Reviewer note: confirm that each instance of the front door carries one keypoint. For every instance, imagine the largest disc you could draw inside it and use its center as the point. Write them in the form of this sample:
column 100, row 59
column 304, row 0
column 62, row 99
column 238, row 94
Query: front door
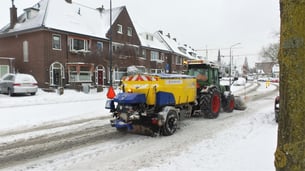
column 56, row 77
column 100, row 80
column 56, row 74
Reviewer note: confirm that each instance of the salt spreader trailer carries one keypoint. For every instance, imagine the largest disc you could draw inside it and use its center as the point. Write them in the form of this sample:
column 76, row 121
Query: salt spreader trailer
column 153, row 103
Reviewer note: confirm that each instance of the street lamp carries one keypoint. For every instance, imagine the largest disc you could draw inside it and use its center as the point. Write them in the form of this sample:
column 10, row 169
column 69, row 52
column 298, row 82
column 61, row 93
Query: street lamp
column 231, row 60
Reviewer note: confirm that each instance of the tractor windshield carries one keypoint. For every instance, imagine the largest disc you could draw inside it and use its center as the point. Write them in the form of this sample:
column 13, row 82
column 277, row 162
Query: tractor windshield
column 201, row 75
column 196, row 71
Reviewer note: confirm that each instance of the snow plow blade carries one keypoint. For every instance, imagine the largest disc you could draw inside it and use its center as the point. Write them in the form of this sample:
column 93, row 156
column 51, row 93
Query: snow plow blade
column 239, row 103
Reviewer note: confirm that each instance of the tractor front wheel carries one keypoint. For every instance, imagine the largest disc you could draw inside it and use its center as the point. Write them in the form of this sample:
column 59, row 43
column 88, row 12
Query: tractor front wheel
column 228, row 104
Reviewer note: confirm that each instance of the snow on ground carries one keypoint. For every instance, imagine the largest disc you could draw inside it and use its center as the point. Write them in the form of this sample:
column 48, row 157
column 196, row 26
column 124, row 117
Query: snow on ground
column 247, row 145
column 255, row 135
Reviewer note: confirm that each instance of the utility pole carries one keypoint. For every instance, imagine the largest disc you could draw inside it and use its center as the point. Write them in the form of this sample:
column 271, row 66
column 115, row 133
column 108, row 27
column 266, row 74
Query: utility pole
column 230, row 72
column 110, row 93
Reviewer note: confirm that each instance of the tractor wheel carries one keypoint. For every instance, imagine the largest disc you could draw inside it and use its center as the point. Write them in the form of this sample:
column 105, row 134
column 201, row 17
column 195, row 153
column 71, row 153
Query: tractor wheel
column 170, row 126
column 228, row 104
column 210, row 104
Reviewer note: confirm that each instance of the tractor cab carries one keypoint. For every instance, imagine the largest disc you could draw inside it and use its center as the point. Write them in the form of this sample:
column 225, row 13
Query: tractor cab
column 206, row 72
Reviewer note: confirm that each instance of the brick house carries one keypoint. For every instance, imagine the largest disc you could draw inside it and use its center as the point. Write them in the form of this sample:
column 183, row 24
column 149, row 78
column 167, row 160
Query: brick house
column 63, row 43
column 265, row 68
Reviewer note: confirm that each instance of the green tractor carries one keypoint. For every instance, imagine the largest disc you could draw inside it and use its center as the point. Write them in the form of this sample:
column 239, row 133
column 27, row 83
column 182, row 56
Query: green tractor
column 211, row 96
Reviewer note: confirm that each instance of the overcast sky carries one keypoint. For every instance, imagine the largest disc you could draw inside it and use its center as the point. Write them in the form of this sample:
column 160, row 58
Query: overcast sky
column 201, row 24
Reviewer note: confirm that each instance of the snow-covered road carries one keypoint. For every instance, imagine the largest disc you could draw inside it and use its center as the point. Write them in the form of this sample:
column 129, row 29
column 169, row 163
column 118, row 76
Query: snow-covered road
column 198, row 145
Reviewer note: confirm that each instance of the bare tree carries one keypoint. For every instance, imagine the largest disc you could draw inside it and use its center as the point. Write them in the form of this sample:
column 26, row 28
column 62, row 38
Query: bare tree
column 290, row 152
column 270, row 52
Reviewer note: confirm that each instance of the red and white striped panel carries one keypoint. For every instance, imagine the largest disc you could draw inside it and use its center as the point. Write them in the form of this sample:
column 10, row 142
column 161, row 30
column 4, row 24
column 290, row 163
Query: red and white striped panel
column 140, row 78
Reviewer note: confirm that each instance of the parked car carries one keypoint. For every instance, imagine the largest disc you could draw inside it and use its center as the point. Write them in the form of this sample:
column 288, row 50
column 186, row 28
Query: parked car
column 277, row 108
column 274, row 80
column 12, row 84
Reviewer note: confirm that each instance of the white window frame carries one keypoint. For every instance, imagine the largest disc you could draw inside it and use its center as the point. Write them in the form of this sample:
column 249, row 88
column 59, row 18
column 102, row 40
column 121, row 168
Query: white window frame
column 129, row 31
column 120, row 29
column 149, row 37
column 179, row 60
column 156, row 71
column 25, row 48
column 154, row 56
column 54, row 42
column 4, row 69
column 78, row 75
column 84, row 49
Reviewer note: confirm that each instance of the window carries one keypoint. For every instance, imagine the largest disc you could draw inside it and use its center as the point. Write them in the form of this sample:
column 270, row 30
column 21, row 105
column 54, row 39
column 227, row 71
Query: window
column 56, row 43
column 129, row 31
column 149, row 37
column 120, row 29
column 182, row 49
column 119, row 73
column 144, row 53
column 84, row 73
column 77, row 44
column 4, row 69
column 25, row 51
column 154, row 56
column 100, row 46
column 156, row 71
column 178, row 60
column 80, row 73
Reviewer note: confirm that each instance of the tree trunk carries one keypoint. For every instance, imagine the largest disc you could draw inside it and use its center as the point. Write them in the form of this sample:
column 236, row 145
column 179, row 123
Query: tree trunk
column 290, row 153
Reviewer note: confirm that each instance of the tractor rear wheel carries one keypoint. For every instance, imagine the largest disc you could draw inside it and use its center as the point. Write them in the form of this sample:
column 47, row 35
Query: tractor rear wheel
column 210, row 104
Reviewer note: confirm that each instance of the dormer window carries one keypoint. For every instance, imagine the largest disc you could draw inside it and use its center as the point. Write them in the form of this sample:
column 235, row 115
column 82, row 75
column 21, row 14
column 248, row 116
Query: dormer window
column 31, row 12
column 182, row 49
column 149, row 37
column 120, row 29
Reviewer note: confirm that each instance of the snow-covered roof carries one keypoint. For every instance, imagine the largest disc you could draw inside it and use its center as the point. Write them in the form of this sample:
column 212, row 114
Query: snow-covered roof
column 70, row 17
column 176, row 47
column 151, row 41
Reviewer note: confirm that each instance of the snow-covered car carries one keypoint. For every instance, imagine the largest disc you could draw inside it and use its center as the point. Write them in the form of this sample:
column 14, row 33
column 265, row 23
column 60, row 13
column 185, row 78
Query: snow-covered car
column 12, row 84
column 262, row 79
column 250, row 78
column 277, row 107
column 240, row 82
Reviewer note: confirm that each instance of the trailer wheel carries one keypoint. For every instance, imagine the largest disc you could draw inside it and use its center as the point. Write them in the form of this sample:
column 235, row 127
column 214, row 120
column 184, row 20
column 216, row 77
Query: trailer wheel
column 210, row 104
column 170, row 125
column 228, row 104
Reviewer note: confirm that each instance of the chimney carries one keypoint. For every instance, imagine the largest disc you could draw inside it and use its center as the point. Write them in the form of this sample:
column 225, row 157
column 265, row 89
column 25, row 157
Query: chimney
column 101, row 9
column 175, row 39
column 161, row 32
column 69, row 1
column 13, row 15
column 168, row 35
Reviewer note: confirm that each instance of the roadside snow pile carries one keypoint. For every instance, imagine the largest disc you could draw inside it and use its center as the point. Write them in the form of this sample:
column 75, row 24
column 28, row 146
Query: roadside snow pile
column 48, row 98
